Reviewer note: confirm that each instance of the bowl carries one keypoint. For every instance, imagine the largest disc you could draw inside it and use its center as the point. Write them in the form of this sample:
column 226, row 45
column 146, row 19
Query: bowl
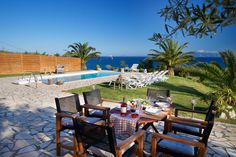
column 134, row 115
column 132, row 110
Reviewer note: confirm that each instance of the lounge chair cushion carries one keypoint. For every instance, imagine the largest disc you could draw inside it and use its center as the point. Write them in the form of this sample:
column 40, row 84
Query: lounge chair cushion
column 176, row 149
column 186, row 129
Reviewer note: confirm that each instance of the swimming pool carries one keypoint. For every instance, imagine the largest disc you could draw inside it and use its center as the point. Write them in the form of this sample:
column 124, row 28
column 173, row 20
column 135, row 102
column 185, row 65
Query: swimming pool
column 78, row 76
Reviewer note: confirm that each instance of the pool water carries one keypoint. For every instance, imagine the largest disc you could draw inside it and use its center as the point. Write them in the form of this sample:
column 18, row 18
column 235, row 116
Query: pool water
column 81, row 77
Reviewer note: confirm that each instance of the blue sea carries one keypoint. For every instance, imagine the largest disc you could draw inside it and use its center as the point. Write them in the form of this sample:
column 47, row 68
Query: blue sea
column 115, row 61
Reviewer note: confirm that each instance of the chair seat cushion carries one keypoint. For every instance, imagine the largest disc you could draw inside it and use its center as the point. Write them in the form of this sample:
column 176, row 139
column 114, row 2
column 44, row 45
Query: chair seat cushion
column 67, row 123
column 96, row 113
column 101, row 151
column 186, row 129
column 175, row 148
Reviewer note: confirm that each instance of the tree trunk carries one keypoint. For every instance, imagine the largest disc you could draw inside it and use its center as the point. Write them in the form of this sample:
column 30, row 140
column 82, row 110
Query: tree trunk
column 83, row 65
column 171, row 71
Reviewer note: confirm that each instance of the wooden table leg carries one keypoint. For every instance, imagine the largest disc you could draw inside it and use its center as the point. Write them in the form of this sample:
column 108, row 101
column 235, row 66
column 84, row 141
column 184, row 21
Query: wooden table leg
column 146, row 126
column 154, row 128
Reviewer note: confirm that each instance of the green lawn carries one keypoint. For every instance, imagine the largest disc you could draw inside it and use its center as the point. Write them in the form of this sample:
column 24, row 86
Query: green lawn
column 182, row 91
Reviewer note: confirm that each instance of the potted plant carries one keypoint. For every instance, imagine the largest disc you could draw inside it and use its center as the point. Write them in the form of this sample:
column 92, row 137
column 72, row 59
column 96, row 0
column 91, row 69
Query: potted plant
column 50, row 81
column 98, row 67
column 60, row 82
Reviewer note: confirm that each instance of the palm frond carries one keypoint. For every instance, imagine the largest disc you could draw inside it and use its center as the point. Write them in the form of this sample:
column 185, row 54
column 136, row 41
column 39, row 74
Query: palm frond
column 171, row 54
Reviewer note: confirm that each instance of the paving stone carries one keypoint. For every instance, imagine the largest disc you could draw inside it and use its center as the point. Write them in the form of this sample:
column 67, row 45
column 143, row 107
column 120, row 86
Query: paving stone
column 7, row 154
column 45, row 155
column 23, row 136
column 232, row 138
column 47, row 129
column 7, row 132
column 10, row 146
column 6, row 141
column 4, row 149
column 231, row 152
column 217, row 155
column 33, row 132
column 26, row 149
column 220, row 151
column 52, row 146
column 219, row 134
column 29, row 154
column 221, row 144
column 233, row 143
column 67, row 155
column 45, row 144
column 21, row 144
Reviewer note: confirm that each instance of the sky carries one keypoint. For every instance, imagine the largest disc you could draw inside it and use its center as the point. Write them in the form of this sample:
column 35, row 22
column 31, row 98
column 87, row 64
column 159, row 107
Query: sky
column 113, row 27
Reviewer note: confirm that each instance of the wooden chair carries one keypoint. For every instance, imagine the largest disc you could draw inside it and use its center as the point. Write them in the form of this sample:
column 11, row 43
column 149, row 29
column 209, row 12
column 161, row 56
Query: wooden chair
column 93, row 98
column 67, row 108
column 60, row 68
column 157, row 94
column 180, row 145
column 187, row 125
column 101, row 140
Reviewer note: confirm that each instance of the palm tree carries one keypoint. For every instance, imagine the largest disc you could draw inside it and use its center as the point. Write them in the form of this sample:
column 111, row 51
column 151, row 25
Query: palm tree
column 224, row 79
column 171, row 55
column 83, row 51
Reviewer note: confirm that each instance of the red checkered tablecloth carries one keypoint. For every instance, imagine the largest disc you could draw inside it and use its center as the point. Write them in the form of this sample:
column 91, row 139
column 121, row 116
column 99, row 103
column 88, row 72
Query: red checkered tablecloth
column 123, row 125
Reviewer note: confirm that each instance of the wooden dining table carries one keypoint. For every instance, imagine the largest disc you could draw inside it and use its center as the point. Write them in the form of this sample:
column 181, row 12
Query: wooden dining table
column 144, row 119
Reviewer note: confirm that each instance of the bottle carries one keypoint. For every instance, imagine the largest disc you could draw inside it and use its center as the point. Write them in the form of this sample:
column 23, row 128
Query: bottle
column 123, row 109
column 193, row 102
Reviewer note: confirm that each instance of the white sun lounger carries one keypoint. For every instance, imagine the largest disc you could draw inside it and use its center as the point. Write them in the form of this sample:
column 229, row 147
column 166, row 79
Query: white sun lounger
column 134, row 67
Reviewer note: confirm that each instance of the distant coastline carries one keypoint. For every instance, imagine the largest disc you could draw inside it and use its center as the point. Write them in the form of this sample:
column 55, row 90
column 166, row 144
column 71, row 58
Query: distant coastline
column 115, row 60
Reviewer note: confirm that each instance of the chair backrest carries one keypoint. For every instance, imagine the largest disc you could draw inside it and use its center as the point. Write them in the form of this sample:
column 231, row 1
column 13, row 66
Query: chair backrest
column 159, row 73
column 92, row 97
column 154, row 93
column 209, row 114
column 68, row 104
column 60, row 66
column 207, row 130
column 99, row 136
column 162, row 74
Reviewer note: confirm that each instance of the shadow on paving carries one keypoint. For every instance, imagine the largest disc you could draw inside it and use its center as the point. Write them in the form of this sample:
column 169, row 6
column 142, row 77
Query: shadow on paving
column 27, row 133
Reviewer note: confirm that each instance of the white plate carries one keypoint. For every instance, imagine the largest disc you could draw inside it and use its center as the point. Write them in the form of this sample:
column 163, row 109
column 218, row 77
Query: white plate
column 152, row 110
column 162, row 104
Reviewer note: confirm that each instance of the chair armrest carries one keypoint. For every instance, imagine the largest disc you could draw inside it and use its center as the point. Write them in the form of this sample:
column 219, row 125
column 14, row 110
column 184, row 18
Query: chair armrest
column 105, row 110
column 128, row 141
column 188, row 110
column 87, row 106
column 65, row 115
column 172, row 118
column 179, row 140
column 157, row 136
column 201, row 125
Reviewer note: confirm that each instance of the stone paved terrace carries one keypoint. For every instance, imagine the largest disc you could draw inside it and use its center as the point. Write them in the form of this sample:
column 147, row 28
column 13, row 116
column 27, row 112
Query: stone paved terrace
column 27, row 123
